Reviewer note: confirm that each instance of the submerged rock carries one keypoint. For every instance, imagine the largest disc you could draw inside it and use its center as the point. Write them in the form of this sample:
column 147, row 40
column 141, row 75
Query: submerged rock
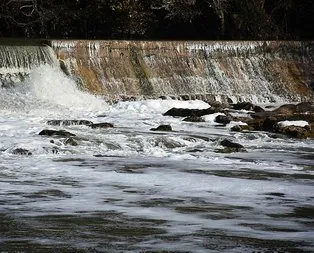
column 70, row 141
column 60, row 133
column 21, row 151
column 68, row 122
column 194, row 119
column 165, row 128
column 101, row 125
column 223, row 119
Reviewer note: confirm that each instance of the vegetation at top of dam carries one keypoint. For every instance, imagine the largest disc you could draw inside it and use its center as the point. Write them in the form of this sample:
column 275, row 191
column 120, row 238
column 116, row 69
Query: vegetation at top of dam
column 158, row 19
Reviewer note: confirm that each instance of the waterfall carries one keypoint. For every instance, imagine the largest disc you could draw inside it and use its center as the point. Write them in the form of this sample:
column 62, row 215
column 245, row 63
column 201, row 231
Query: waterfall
column 256, row 71
column 19, row 59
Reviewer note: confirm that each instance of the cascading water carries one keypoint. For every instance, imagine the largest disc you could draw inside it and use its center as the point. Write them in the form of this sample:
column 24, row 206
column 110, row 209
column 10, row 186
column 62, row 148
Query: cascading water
column 17, row 61
column 240, row 71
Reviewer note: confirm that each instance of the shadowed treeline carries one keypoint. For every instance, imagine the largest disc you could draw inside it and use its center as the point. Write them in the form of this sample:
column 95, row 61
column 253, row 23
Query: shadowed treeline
column 158, row 19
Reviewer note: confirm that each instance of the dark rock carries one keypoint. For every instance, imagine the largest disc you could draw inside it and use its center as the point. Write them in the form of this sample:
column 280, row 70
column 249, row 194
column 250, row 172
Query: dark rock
column 21, row 151
column 217, row 104
column 60, row 133
column 183, row 112
column 236, row 128
column 101, row 116
column 223, row 119
column 270, row 124
column 166, row 128
column 295, row 131
column 286, row 109
column 256, row 124
column 68, row 122
column 305, row 107
column 230, row 144
column 101, row 125
column 70, row 141
column 194, row 119
column 163, row 97
column 290, row 109
column 247, row 106
column 185, row 97
column 258, row 109
column 231, row 147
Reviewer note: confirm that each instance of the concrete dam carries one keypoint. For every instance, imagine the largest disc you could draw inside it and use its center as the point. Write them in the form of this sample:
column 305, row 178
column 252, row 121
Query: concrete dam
column 233, row 71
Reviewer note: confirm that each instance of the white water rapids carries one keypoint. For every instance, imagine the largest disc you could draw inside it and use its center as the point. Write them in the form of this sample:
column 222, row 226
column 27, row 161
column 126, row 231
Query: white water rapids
column 131, row 189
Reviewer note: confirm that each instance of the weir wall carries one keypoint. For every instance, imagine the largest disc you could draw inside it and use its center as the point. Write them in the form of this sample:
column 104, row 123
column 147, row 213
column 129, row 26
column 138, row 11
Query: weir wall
column 256, row 71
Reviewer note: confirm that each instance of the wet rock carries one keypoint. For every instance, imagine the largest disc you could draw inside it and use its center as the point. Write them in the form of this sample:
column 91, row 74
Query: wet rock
column 236, row 128
column 165, row 128
column 301, row 111
column 194, row 119
column 60, row 133
column 21, row 151
column 163, row 97
column 51, row 150
column 184, row 112
column 240, row 128
column 295, row 131
column 70, row 141
column 268, row 120
column 223, row 119
column 68, row 122
column 270, row 124
column 217, row 104
column 248, row 107
column 230, row 147
column 168, row 143
column 101, row 125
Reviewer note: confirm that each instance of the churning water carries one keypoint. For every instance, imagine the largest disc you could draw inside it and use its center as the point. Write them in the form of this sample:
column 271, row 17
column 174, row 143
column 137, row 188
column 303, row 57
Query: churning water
column 128, row 189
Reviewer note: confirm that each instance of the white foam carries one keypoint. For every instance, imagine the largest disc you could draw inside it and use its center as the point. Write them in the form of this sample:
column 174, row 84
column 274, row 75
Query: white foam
column 210, row 118
column 51, row 85
column 300, row 123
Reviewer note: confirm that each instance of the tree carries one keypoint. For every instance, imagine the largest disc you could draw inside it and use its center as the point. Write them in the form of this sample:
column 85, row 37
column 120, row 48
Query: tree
column 26, row 14
column 190, row 11
column 132, row 19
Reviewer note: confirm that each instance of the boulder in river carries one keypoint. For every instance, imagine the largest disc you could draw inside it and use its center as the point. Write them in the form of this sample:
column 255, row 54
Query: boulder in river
column 60, row 133
column 301, row 111
column 184, row 112
column 230, row 147
column 164, row 128
column 295, row 131
column 223, row 119
column 101, row 125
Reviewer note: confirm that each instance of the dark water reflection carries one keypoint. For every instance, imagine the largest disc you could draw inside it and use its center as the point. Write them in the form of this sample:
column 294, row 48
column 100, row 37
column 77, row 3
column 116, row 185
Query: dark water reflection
column 176, row 222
